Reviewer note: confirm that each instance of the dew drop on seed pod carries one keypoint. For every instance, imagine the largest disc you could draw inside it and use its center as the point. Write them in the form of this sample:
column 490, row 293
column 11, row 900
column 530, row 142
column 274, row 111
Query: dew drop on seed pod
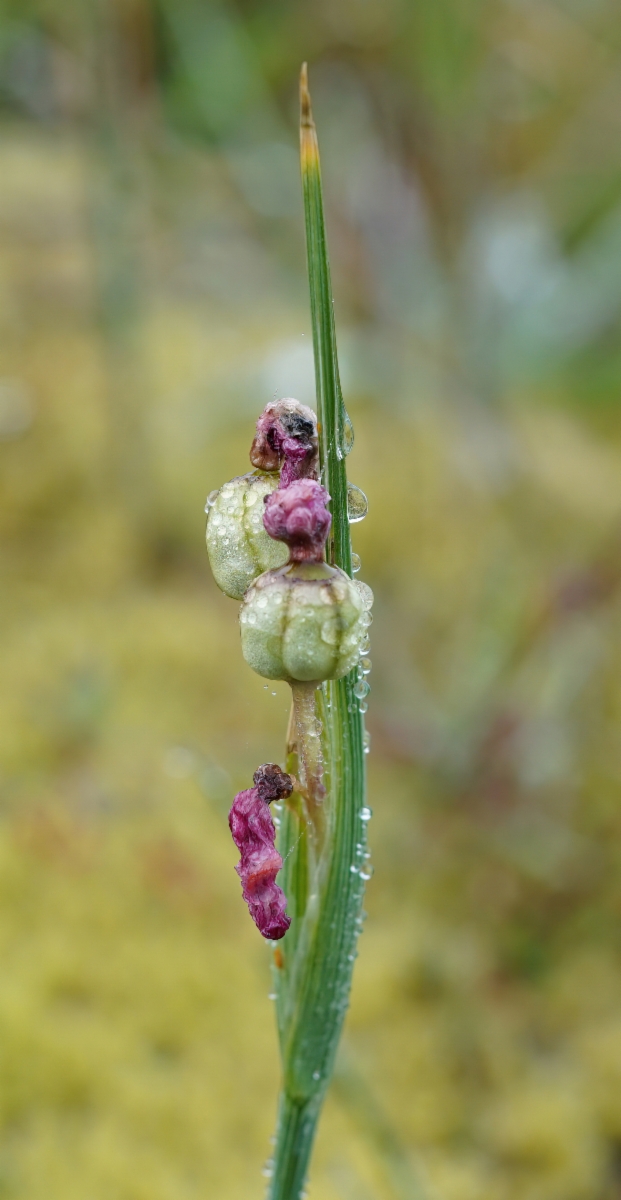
column 361, row 689
column 357, row 504
column 363, row 707
column 354, row 869
column 366, row 871
column 211, row 499
column 365, row 593
column 366, row 619
column 355, row 563
column 366, row 814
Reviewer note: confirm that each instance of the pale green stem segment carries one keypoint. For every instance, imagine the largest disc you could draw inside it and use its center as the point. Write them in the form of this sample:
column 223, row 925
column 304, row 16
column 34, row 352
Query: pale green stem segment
column 324, row 888
column 308, row 729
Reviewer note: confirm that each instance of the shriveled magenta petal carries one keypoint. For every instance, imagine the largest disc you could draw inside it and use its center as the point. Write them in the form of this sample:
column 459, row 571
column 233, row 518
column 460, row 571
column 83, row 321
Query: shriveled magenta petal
column 254, row 835
column 286, row 438
column 298, row 516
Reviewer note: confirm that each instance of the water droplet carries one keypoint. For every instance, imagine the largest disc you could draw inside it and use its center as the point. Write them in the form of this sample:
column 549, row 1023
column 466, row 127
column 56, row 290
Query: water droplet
column 366, row 871
column 366, row 814
column 363, row 707
column 268, row 1169
column 316, row 1075
column 361, row 689
column 366, row 741
column 252, row 618
column 357, row 504
column 347, row 434
column 366, row 619
column 365, row 593
column 273, row 693
column 365, row 666
column 329, row 633
column 365, row 643
column 272, row 996
column 354, row 869
column 355, row 563
column 211, row 499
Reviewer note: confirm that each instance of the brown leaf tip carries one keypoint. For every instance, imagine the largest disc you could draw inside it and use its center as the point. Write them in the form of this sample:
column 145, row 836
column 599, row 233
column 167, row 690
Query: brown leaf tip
column 306, row 112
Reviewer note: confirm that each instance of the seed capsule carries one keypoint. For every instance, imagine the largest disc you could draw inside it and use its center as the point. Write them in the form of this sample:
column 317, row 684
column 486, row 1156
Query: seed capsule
column 238, row 546
column 302, row 623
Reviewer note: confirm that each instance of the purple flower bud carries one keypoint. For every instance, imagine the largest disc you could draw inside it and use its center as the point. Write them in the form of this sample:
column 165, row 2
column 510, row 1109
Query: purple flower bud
column 254, row 835
column 298, row 516
column 286, row 440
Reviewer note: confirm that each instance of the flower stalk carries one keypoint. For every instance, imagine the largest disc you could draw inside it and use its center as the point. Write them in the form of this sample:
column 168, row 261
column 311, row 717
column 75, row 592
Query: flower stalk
column 322, row 881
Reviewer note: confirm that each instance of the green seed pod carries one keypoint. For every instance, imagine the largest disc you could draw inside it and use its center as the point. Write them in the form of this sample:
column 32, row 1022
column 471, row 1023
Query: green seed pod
column 239, row 548
column 303, row 622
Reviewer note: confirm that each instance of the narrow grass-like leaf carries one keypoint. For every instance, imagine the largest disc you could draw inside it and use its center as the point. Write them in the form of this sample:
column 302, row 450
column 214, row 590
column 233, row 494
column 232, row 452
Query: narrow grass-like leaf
column 325, row 885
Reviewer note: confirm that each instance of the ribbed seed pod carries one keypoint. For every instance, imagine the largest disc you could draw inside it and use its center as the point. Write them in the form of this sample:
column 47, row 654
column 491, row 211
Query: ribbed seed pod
column 302, row 623
column 238, row 546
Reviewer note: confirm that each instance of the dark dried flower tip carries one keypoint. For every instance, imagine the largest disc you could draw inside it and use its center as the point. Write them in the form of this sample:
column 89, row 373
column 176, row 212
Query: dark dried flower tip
column 298, row 516
column 254, row 835
column 272, row 783
column 286, row 440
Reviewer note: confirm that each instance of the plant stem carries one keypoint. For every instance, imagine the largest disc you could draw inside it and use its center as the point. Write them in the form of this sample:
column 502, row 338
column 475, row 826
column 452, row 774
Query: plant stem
column 313, row 977
column 297, row 1121
column 309, row 751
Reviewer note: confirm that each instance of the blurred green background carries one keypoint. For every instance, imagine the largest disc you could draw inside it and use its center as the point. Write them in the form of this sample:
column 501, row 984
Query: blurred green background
column 152, row 300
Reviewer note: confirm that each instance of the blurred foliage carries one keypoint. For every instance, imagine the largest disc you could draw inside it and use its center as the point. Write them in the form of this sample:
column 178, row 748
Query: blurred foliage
column 152, row 299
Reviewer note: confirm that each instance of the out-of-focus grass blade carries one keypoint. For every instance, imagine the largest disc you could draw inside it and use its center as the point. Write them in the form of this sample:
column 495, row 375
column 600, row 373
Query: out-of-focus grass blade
column 319, row 949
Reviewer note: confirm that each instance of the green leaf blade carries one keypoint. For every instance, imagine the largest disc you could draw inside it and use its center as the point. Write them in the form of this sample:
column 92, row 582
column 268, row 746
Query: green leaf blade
column 314, row 988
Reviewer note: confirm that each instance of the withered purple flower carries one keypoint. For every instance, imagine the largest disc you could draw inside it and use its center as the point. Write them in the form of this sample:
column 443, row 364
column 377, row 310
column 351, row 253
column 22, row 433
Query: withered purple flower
column 286, row 440
column 298, row 516
column 254, row 835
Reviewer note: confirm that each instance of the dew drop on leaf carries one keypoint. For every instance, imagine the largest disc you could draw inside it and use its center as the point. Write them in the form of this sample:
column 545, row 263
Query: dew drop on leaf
column 346, row 440
column 357, row 504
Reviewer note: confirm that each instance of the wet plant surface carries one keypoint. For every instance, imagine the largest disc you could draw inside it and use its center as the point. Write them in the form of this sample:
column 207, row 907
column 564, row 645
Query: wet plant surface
column 483, row 1046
